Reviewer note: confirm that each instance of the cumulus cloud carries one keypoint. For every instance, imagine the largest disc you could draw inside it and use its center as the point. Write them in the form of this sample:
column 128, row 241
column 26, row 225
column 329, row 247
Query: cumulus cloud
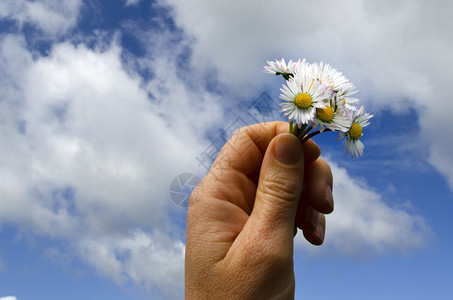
column 154, row 262
column 8, row 298
column 53, row 17
column 397, row 53
column 88, row 155
column 364, row 224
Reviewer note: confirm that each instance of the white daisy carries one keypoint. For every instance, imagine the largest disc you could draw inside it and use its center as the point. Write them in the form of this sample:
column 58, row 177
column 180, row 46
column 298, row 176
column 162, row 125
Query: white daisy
column 303, row 95
column 353, row 145
column 345, row 92
column 279, row 67
column 340, row 85
column 327, row 74
column 334, row 116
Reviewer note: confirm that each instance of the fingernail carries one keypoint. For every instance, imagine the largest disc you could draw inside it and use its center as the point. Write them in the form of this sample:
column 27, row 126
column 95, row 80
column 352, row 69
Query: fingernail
column 329, row 196
column 287, row 149
column 320, row 233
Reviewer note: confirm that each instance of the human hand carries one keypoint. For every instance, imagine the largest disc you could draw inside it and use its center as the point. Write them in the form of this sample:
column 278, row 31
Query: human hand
column 263, row 184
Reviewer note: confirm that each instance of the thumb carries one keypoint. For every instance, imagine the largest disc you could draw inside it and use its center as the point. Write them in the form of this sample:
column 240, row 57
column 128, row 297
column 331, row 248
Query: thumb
column 279, row 186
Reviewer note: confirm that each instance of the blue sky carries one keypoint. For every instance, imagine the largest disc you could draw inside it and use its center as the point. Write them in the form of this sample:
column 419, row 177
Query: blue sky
column 104, row 103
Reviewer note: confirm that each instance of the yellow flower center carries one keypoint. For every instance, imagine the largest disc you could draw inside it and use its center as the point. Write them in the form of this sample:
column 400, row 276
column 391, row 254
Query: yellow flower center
column 325, row 114
column 303, row 100
column 355, row 132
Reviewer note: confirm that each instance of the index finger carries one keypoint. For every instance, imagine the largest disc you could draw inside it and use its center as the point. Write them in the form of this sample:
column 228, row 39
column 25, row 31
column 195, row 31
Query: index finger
column 245, row 150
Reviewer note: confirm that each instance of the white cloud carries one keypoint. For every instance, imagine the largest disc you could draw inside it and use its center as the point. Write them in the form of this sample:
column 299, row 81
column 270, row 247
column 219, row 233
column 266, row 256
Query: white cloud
column 154, row 262
column 87, row 156
column 83, row 130
column 397, row 53
column 53, row 17
column 8, row 298
column 364, row 224
column 437, row 130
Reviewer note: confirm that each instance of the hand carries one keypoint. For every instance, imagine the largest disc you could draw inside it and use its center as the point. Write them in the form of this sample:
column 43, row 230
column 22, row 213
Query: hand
column 240, row 229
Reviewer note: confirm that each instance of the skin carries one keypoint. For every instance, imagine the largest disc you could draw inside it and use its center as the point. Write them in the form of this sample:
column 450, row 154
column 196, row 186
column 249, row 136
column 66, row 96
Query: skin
column 243, row 216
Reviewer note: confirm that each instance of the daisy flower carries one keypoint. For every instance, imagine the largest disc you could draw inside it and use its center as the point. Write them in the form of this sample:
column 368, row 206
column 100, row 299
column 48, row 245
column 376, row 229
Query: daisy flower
column 345, row 92
column 303, row 95
column 327, row 74
column 334, row 116
column 319, row 96
column 279, row 67
column 353, row 145
column 340, row 85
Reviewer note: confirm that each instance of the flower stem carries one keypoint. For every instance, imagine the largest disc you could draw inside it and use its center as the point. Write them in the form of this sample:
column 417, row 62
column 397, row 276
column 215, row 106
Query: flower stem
column 313, row 134
column 305, row 131
column 287, row 76
column 298, row 131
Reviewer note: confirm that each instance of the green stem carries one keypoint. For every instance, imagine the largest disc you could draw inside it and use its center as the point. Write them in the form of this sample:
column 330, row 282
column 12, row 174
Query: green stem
column 305, row 130
column 287, row 76
column 296, row 130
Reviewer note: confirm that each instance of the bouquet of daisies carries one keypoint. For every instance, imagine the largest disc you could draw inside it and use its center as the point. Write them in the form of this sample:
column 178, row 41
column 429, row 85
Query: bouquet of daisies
column 318, row 98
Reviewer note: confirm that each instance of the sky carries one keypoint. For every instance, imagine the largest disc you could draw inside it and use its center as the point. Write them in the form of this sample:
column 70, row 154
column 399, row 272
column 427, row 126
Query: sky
column 106, row 106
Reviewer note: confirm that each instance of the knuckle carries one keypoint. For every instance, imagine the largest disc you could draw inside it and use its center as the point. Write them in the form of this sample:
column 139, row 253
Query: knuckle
column 281, row 187
column 261, row 253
